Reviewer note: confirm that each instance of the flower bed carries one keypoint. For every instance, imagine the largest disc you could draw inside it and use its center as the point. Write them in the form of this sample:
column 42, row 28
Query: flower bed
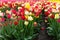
column 21, row 21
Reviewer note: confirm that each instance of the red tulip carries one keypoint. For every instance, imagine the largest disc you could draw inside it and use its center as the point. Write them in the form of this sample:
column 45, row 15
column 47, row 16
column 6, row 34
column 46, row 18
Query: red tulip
column 52, row 16
column 0, row 5
column 3, row 19
column 23, row 17
column 22, row 13
column 36, row 6
column 10, row 5
column 48, row 3
column 21, row 9
column 54, row 4
column 8, row 16
column 42, row 28
column 37, row 14
column 50, row 9
column 47, row 13
column 16, row 23
column 14, row 11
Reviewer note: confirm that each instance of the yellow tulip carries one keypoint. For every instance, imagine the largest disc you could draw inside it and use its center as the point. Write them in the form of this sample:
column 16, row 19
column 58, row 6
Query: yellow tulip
column 27, row 5
column 26, row 16
column 54, row 7
column 56, row 16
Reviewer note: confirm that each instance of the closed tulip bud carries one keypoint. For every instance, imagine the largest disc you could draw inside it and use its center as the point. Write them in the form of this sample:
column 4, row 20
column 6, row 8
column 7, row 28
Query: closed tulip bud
column 16, row 23
column 35, row 23
column 26, row 23
column 42, row 28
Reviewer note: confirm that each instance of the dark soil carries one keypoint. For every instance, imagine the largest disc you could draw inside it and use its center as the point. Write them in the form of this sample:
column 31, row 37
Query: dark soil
column 43, row 36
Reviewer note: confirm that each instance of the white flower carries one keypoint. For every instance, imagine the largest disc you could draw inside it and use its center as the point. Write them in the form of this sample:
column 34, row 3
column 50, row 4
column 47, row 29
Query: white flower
column 30, row 13
column 1, row 14
column 57, row 6
column 26, row 23
column 55, row 10
column 26, row 13
column 8, row 12
column 30, row 18
column 19, row 7
column 22, row 4
column 46, row 9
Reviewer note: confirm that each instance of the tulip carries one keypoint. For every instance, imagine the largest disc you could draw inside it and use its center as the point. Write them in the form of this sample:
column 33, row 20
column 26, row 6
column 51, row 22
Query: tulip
column 13, row 15
column 42, row 28
column 8, row 16
column 27, row 5
column 8, row 12
column 26, row 16
column 51, row 16
column 35, row 24
column 26, row 23
column 54, row 7
column 19, row 8
column 56, row 16
column 26, row 13
column 1, row 14
column 14, row 11
column 30, row 13
column 58, row 20
column 3, row 19
column 10, row 5
column 37, row 14
column 47, row 13
column 30, row 18
column 1, row 5
column 15, row 22
column 23, row 17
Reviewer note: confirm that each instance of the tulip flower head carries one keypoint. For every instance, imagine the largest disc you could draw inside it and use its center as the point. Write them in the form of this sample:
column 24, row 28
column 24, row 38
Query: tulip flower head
column 30, row 18
column 26, row 23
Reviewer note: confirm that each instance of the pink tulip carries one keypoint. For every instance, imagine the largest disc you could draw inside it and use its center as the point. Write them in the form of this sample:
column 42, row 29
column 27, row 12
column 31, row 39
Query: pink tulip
column 58, row 20
column 3, row 19
column 14, row 11
column 9, row 16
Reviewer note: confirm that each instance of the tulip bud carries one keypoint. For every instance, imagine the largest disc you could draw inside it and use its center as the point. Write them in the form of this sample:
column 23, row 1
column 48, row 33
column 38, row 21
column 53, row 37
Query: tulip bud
column 42, row 28
column 16, row 23
column 56, row 16
column 35, row 23
column 26, row 23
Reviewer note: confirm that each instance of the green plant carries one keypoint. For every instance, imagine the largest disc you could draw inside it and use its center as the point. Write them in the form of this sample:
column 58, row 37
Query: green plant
column 54, row 29
column 18, row 32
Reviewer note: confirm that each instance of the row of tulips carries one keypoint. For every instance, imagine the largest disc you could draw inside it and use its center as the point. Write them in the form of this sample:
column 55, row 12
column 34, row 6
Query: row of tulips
column 20, row 21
